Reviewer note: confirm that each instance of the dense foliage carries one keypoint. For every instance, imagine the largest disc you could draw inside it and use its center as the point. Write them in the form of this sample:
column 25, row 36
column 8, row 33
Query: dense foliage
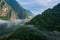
column 6, row 29
column 45, row 26
column 29, row 32
column 26, row 33
column 49, row 19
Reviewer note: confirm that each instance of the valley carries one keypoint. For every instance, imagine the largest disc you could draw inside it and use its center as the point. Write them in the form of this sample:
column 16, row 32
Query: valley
column 18, row 23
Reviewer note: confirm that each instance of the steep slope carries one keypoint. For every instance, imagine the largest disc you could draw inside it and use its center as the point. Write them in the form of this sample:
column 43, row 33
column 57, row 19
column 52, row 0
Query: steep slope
column 26, row 33
column 49, row 19
column 11, row 9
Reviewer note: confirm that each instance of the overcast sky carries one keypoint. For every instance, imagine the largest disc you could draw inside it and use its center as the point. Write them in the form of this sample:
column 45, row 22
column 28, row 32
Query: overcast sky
column 38, row 6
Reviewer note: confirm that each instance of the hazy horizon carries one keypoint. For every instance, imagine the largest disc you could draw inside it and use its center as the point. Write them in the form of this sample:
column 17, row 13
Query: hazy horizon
column 38, row 6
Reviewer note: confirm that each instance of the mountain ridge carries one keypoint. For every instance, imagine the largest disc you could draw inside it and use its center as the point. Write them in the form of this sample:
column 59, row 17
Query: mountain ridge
column 49, row 19
column 14, row 8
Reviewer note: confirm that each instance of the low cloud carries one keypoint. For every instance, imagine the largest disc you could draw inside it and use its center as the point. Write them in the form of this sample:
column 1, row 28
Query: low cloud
column 3, row 21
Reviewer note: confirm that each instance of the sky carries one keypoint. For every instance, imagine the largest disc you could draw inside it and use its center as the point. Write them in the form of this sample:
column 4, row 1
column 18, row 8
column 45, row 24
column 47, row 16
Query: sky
column 38, row 6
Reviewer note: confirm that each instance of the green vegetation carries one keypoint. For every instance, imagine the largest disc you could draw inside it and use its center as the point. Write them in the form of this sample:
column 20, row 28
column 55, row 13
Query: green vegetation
column 48, row 20
column 45, row 26
column 3, row 18
column 26, row 33
column 5, row 29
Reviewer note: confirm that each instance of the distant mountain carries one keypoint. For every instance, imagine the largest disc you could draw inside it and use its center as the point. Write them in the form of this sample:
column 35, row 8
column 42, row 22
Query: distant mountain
column 11, row 9
column 49, row 19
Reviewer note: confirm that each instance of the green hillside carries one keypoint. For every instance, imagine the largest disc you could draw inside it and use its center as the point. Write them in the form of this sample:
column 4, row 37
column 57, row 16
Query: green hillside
column 26, row 33
column 49, row 19
column 45, row 26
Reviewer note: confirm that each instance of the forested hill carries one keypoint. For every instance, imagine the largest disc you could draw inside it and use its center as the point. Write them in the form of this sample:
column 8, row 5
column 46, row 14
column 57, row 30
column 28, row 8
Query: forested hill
column 50, row 18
